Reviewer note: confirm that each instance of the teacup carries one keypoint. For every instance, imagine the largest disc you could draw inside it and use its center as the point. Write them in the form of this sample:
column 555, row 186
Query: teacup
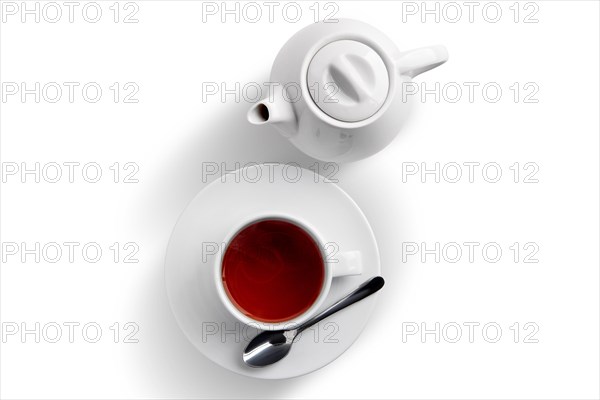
column 274, row 271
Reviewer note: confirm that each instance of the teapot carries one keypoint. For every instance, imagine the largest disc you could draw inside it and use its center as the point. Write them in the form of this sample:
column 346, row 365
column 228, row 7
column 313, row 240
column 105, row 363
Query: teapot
column 337, row 89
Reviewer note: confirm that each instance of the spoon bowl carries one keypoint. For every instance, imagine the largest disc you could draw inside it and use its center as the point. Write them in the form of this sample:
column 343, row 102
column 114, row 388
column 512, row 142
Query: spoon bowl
column 268, row 347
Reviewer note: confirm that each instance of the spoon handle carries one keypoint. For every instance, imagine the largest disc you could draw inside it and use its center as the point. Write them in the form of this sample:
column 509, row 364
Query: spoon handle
column 365, row 290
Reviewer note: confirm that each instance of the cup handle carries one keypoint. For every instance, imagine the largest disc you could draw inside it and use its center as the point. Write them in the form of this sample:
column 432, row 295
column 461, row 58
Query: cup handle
column 417, row 61
column 347, row 263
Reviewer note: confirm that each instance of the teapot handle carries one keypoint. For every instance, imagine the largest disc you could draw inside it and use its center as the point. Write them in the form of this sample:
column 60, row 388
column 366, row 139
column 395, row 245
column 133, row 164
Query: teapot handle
column 417, row 61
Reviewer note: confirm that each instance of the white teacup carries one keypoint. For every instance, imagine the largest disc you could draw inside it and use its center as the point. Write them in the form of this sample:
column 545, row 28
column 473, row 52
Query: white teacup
column 335, row 264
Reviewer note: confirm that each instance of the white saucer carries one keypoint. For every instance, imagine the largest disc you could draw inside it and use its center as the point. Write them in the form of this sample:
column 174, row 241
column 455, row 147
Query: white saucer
column 213, row 212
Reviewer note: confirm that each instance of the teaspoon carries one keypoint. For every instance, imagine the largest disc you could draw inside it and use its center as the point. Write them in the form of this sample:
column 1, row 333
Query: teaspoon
column 268, row 347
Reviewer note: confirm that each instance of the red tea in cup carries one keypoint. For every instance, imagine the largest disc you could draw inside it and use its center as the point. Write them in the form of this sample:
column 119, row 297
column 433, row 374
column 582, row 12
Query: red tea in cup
column 273, row 270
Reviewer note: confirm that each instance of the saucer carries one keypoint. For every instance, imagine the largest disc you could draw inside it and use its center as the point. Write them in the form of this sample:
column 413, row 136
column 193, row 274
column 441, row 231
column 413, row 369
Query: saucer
column 190, row 264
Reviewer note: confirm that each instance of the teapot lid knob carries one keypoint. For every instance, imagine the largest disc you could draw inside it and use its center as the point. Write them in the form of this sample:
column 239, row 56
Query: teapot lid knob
column 348, row 80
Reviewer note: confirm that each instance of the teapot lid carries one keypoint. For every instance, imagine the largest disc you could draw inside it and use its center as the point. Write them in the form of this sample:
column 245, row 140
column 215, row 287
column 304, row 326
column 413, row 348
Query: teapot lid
column 348, row 80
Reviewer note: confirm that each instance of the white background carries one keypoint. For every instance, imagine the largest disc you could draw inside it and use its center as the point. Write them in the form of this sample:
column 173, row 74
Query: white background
column 171, row 132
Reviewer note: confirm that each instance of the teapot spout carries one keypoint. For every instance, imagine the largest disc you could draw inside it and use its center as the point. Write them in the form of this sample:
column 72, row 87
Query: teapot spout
column 272, row 110
column 417, row 61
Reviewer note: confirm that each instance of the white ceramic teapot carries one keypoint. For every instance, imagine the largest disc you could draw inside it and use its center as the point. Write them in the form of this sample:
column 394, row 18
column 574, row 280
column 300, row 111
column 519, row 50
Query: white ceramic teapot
column 339, row 92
